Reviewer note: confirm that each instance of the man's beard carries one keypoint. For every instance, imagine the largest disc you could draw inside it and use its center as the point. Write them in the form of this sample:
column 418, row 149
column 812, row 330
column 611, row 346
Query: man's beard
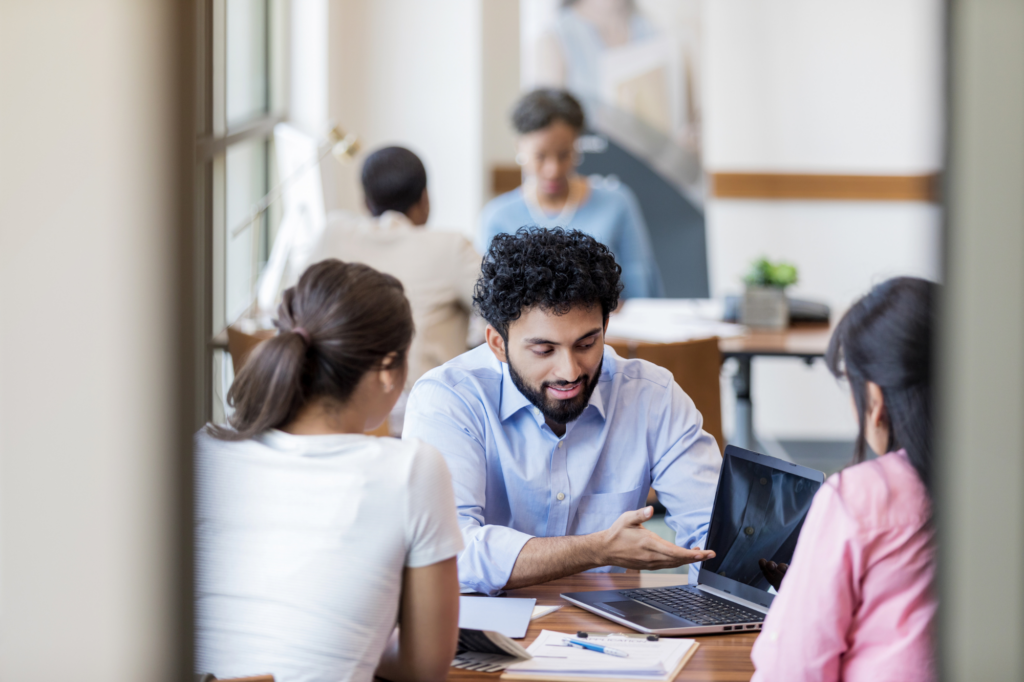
column 554, row 409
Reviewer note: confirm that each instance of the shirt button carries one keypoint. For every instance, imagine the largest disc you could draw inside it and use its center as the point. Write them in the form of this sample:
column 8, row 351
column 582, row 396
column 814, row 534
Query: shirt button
column 560, row 496
column 559, row 443
column 536, row 412
column 764, row 481
column 749, row 530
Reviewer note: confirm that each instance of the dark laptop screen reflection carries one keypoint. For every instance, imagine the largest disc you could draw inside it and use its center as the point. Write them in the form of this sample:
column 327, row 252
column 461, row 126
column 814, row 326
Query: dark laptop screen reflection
column 758, row 515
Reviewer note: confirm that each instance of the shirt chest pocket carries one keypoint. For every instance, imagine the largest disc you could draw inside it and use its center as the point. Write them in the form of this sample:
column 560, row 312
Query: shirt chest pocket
column 599, row 511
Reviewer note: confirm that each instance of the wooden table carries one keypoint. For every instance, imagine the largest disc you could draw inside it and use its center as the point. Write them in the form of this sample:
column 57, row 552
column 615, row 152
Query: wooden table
column 805, row 341
column 721, row 658
column 801, row 340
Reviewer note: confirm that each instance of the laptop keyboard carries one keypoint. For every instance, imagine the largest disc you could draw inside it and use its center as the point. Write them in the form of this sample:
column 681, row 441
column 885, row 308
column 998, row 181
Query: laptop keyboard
column 692, row 604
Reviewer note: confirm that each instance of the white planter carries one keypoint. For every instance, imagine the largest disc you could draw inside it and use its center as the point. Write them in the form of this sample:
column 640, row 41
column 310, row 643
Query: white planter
column 765, row 307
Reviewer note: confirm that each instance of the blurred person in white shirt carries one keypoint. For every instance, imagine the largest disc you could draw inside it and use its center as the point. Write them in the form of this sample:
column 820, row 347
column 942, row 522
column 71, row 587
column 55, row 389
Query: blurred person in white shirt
column 437, row 268
column 314, row 540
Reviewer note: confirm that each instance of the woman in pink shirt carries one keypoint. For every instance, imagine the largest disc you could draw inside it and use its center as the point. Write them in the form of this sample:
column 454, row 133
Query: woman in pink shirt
column 858, row 603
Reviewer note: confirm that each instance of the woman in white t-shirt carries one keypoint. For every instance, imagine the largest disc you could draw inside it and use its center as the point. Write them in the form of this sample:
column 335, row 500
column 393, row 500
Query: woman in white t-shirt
column 314, row 540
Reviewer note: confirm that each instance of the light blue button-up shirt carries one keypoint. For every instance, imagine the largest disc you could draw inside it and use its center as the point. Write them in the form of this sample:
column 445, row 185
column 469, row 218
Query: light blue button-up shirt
column 514, row 479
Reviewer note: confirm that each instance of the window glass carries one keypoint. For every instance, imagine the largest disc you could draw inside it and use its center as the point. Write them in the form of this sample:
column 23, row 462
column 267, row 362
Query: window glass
column 246, row 179
column 247, row 60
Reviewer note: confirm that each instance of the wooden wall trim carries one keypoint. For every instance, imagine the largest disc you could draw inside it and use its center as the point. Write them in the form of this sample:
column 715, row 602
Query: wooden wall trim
column 807, row 186
column 821, row 186
column 505, row 178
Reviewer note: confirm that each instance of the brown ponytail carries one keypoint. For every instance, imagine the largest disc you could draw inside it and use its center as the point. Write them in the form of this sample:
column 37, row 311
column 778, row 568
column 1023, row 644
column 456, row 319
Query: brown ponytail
column 340, row 321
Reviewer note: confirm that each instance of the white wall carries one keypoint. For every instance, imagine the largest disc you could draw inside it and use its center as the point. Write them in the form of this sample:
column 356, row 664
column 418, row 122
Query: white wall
column 308, row 53
column 408, row 72
column 845, row 86
column 821, row 87
column 500, row 29
column 89, row 351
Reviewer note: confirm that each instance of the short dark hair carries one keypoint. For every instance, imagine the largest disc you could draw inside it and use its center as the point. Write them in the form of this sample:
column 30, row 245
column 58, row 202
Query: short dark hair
column 538, row 109
column 886, row 338
column 393, row 180
column 339, row 322
column 555, row 269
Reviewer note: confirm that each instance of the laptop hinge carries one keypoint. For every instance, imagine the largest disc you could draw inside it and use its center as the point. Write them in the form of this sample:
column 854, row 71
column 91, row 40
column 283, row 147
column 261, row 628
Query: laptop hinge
column 733, row 598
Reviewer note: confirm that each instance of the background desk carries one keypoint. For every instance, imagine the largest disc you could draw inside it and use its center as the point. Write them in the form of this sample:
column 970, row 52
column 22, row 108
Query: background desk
column 804, row 341
column 720, row 658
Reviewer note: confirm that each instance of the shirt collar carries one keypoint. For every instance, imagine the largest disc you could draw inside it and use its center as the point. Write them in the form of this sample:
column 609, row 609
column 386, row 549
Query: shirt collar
column 391, row 220
column 597, row 397
column 513, row 400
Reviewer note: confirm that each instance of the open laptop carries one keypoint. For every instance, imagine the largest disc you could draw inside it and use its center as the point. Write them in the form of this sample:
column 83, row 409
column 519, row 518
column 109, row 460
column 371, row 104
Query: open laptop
column 759, row 509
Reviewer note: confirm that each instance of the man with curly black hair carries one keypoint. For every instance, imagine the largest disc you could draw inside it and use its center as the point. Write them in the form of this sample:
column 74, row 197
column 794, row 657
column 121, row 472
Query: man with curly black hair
column 552, row 439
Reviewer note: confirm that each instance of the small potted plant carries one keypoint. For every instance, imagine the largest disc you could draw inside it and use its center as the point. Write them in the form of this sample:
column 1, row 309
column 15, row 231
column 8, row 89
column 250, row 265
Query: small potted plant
column 764, row 300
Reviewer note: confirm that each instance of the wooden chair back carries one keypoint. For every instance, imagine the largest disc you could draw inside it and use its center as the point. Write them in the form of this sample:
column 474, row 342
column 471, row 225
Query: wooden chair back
column 241, row 344
column 695, row 365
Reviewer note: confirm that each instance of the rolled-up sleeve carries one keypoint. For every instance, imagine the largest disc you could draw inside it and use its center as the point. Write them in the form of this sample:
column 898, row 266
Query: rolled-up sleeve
column 437, row 414
column 685, row 469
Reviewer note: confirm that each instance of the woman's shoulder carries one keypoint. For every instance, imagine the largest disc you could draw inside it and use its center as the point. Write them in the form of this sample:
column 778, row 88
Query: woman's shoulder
column 342, row 449
column 409, row 454
column 879, row 493
column 608, row 192
column 505, row 204
column 206, row 441
column 421, row 455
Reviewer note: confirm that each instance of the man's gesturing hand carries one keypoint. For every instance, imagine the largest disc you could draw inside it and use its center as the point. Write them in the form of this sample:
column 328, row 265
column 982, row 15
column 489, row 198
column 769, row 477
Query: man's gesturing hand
column 629, row 545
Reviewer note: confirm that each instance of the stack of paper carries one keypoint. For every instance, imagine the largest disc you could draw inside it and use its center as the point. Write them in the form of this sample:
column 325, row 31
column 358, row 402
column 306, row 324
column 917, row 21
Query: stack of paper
column 670, row 320
column 552, row 660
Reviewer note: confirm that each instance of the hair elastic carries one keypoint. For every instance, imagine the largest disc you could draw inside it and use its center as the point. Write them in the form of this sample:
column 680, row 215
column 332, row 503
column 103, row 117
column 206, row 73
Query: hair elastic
column 301, row 331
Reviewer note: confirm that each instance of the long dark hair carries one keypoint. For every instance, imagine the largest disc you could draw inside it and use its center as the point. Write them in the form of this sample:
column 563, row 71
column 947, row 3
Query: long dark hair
column 886, row 338
column 340, row 321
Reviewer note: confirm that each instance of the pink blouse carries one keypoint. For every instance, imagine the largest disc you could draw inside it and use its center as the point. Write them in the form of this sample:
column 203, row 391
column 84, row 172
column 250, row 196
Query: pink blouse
column 857, row 601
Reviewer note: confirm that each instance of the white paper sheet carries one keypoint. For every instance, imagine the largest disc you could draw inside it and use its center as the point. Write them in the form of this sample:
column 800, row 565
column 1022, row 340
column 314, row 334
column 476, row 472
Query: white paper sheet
column 510, row 617
column 541, row 611
column 650, row 660
column 670, row 320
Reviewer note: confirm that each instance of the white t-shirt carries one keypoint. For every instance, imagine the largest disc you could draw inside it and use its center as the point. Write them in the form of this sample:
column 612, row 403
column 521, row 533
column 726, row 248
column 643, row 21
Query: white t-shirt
column 301, row 542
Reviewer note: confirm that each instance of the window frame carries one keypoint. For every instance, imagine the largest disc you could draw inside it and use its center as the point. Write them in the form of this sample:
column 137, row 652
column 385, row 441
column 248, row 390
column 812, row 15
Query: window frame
column 213, row 138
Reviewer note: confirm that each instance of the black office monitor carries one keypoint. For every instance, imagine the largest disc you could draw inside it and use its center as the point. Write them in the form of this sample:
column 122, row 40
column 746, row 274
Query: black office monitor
column 758, row 512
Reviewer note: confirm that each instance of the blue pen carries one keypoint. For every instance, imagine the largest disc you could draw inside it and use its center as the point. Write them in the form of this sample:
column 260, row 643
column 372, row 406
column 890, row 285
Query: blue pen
column 595, row 647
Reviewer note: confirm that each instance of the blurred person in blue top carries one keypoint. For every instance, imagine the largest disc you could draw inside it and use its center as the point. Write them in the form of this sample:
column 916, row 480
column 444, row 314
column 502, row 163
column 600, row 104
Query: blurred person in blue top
column 554, row 195
column 553, row 441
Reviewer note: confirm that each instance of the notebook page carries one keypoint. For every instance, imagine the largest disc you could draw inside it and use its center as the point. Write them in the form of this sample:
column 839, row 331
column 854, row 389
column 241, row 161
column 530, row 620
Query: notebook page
column 653, row 660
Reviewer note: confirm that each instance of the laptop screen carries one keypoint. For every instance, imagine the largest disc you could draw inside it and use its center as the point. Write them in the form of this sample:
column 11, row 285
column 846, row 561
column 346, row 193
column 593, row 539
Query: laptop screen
column 759, row 509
